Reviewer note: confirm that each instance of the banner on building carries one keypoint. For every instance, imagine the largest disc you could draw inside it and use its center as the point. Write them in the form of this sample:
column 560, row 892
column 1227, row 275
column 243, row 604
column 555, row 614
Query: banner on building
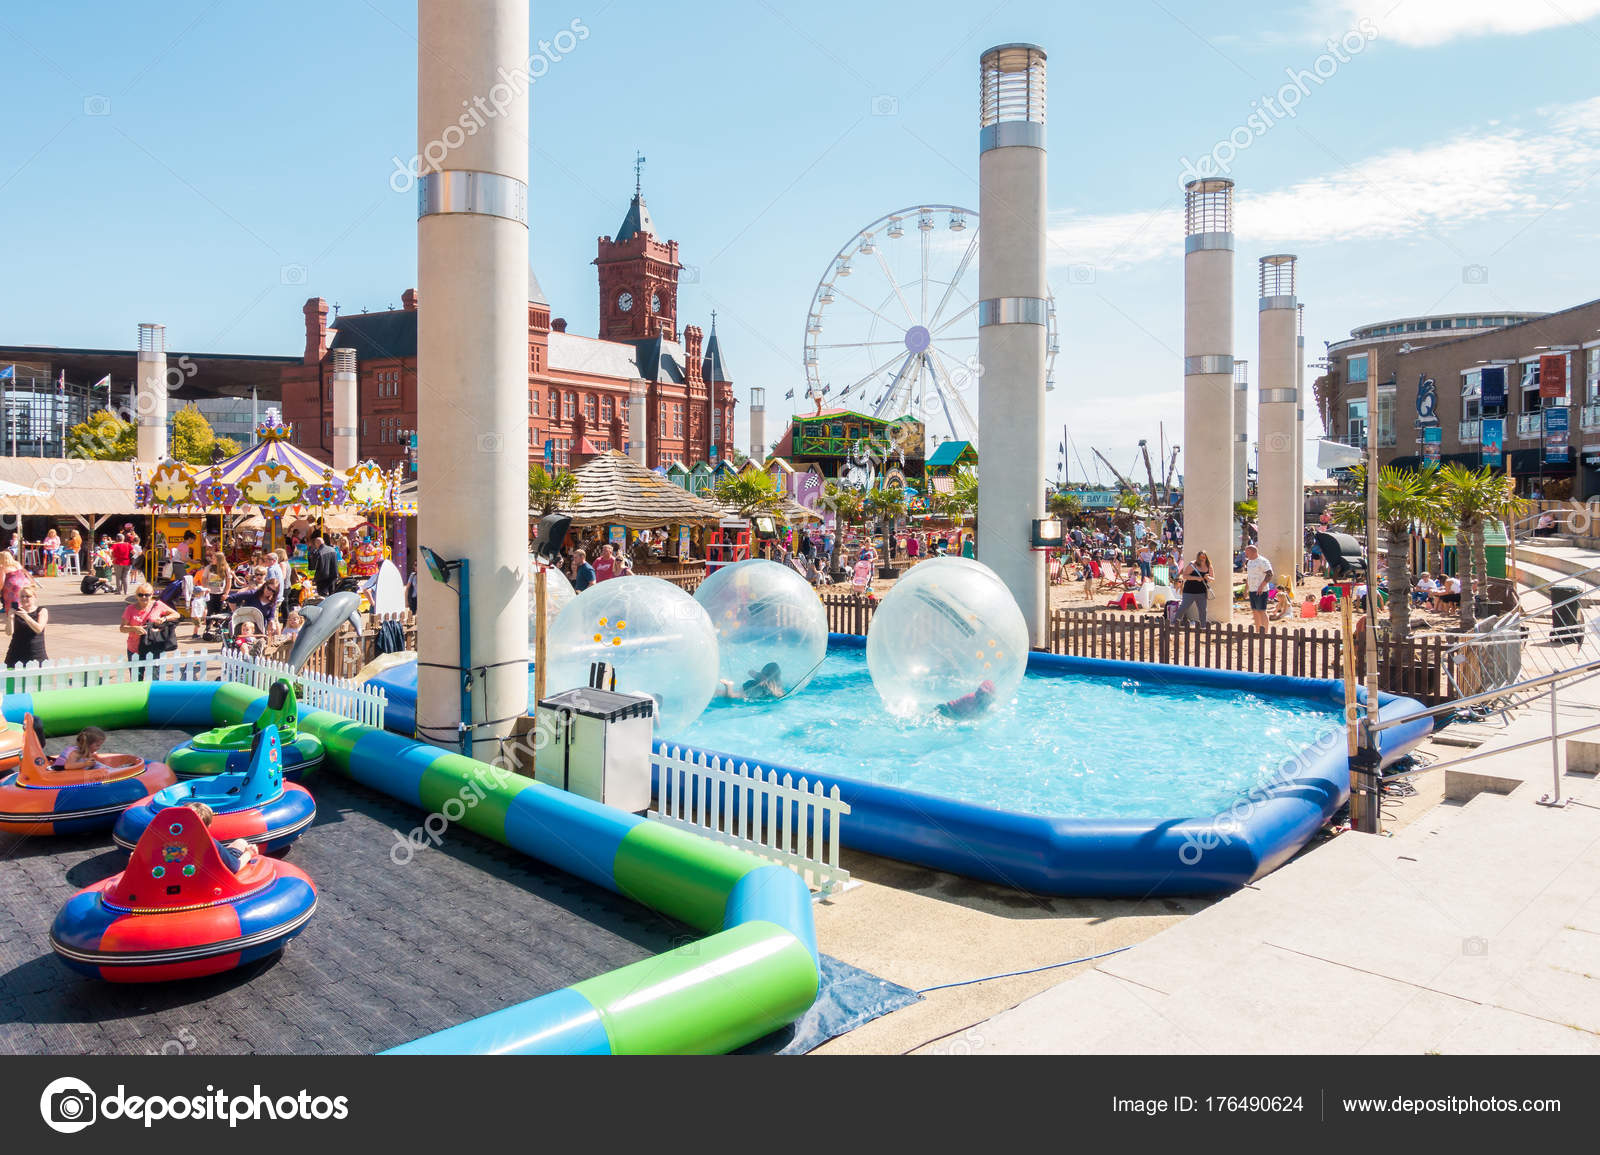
column 1427, row 400
column 1553, row 376
column 1432, row 444
column 1492, row 387
column 1555, row 434
column 1491, row 443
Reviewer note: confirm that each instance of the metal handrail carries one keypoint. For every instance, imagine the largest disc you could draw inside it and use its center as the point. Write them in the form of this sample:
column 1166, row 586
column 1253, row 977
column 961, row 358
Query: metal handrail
column 1378, row 725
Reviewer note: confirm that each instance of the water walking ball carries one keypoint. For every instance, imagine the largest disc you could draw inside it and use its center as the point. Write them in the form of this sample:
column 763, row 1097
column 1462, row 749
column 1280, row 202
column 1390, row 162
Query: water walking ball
column 655, row 637
column 948, row 638
column 558, row 592
column 772, row 629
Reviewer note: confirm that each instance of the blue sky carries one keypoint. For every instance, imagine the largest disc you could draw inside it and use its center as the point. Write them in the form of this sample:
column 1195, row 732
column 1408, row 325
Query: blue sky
column 211, row 164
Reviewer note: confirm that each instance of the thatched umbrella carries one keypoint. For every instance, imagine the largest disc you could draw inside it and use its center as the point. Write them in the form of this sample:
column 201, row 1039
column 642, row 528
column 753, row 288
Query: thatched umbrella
column 619, row 491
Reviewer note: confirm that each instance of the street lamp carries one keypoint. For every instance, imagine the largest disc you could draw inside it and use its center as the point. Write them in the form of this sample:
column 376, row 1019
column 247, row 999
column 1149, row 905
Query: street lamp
column 440, row 569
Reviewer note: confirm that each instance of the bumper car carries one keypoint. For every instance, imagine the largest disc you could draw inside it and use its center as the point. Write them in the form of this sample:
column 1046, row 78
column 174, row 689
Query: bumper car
column 258, row 805
column 38, row 799
column 226, row 749
column 180, row 911
column 10, row 745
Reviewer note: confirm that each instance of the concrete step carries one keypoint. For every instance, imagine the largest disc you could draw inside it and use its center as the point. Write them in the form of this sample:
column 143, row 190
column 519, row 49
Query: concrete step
column 1562, row 559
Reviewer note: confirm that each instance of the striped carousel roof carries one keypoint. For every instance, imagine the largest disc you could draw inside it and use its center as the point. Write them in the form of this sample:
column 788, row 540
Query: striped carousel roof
column 273, row 451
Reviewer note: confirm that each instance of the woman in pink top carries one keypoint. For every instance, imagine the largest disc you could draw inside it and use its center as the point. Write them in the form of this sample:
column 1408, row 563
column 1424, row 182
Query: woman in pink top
column 145, row 611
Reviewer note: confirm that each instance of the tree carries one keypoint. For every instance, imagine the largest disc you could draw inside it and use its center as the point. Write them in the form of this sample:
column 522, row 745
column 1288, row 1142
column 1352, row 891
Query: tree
column 550, row 492
column 887, row 505
column 1067, row 506
column 1406, row 500
column 1473, row 499
column 747, row 493
column 104, row 437
column 192, row 439
column 847, row 505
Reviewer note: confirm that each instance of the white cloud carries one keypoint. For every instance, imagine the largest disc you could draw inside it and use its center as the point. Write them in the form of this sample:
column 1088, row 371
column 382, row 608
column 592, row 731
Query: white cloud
column 1425, row 23
column 1402, row 193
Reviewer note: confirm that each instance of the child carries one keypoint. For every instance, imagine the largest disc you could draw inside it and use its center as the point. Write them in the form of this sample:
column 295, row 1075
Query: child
column 82, row 753
column 296, row 620
column 245, row 640
column 236, row 854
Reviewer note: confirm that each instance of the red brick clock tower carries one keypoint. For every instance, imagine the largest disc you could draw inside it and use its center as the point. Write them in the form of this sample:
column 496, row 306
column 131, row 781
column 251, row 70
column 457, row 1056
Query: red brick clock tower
column 638, row 279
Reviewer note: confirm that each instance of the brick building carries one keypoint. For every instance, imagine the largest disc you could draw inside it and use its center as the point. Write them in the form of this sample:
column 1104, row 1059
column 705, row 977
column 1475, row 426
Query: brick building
column 1436, row 349
column 578, row 387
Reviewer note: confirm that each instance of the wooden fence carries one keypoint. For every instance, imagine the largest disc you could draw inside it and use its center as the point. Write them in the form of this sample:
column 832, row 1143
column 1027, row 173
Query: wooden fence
column 1417, row 669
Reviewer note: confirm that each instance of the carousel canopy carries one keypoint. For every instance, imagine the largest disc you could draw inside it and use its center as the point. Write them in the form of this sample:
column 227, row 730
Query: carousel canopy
column 273, row 476
column 618, row 491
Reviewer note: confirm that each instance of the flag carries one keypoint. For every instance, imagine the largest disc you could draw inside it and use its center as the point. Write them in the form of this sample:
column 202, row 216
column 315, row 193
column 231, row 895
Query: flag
column 61, row 381
column 9, row 373
column 789, row 396
column 104, row 382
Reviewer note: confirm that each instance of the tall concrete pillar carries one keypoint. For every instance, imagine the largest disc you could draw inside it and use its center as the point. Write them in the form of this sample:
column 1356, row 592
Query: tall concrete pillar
column 345, row 444
column 1275, row 413
column 758, row 425
column 1013, row 312
column 150, row 404
column 639, row 420
column 1208, row 444
column 472, row 363
column 1241, row 439
column 1300, row 428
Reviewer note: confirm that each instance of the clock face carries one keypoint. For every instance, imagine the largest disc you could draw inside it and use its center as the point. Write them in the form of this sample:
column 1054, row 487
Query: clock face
column 655, row 302
column 625, row 302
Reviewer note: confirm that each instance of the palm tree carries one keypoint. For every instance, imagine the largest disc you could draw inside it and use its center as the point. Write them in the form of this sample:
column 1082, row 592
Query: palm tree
column 1067, row 506
column 747, row 493
column 847, row 505
column 549, row 492
column 963, row 499
column 1475, row 498
column 1405, row 500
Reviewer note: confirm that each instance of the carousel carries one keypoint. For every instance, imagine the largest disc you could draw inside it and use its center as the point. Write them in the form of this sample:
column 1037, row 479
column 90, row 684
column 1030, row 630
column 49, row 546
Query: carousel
column 275, row 487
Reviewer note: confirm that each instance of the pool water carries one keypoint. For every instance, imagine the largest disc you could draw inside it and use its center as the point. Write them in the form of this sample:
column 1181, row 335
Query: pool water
column 1071, row 746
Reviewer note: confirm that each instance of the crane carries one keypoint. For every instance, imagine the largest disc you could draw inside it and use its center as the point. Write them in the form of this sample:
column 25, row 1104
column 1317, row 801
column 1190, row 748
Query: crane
column 1144, row 448
column 1121, row 480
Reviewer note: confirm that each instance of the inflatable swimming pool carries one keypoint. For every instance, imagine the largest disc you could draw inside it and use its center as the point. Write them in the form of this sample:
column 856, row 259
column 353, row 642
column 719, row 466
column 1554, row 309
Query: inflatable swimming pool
column 1250, row 829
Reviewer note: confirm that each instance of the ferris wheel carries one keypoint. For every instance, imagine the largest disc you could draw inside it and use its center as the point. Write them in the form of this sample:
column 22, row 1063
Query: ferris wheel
column 893, row 324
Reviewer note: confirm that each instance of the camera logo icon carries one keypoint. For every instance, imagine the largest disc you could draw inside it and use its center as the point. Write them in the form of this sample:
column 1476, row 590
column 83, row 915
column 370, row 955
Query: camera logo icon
column 885, row 106
column 68, row 1105
column 1080, row 274
column 1475, row 947
column 491, row 443
column 1475, row 274
column 97, row 105
column 292, row 274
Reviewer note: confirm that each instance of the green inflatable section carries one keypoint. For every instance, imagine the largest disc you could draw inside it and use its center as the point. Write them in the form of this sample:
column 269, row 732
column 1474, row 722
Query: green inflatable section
column 679, row 873
column 696, row 1000
column 117, row 707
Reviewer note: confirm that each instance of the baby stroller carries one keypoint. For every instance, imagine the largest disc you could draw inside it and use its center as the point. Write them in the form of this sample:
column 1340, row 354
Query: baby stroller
column 258, row 643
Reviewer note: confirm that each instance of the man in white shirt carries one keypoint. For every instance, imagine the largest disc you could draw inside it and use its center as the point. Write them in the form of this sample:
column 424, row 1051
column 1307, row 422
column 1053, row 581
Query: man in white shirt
column 1257, row 577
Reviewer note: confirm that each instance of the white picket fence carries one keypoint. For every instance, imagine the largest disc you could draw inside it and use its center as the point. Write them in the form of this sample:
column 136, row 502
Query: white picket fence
column 751, row 808
column 343, row 696
column 77, row 673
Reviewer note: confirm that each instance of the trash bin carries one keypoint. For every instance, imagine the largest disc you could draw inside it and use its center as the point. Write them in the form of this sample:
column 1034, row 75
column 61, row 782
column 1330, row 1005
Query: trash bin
column 1566, row 617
